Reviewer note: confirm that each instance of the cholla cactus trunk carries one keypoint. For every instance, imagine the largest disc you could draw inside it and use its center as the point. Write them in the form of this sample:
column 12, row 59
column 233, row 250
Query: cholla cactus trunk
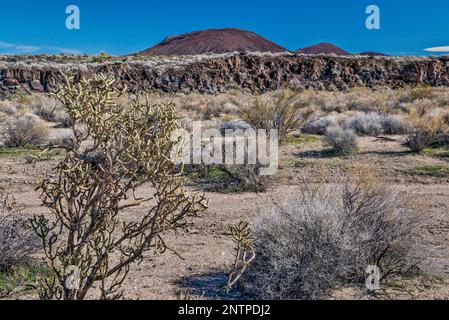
column 126, row 147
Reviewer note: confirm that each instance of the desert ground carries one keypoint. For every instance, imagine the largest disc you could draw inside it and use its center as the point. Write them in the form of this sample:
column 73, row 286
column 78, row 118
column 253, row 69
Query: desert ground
column 197, row 270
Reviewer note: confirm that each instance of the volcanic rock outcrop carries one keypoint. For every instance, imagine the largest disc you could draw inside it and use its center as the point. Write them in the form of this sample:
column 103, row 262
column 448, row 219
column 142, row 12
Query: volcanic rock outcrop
column 220, row 73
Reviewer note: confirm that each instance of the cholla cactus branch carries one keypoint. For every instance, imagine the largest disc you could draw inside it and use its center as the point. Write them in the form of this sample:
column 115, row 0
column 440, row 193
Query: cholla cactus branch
column 244, row 253
column 117, row 149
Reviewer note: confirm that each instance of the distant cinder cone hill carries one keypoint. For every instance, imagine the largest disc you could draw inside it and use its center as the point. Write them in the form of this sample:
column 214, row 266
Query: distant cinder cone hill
column 324, row 48
column 373, row 54
column 213, row 41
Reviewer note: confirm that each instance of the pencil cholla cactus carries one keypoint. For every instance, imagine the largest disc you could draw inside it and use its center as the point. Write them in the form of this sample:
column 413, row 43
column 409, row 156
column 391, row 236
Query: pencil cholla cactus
column 244, row 253
column 116, row 149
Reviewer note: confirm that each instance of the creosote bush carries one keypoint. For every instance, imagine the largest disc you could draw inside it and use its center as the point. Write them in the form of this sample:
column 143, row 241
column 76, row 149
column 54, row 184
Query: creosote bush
column 26, row 130
column 342, row 141
column 87, row 243
column 286, row 111
column 326, row 236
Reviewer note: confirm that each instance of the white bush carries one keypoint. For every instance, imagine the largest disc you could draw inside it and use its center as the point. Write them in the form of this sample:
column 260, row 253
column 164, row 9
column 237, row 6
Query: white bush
column 319, row 125
column 374, row 124
column 326, row 236
column 343, row 141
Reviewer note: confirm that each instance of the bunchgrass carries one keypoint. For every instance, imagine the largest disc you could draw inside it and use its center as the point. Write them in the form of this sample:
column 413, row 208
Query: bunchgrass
column 432, row 170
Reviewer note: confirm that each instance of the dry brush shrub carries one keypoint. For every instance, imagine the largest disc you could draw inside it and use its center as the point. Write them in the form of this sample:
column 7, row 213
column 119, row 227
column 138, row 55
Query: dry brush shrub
column 342, row 141
column 326, row 236
column 26, row 130
column 8, row 107
column 421, row 92
column 205, row 107
column 45, row 107
column 421, row 106
column 425, row 129
column 382, row 101
column 441, row 97
column 209, row 109
column 330, row 101
column 17, row 242
column 285, row 111
column 126, row 147
column 50, row 109
column 101, row 58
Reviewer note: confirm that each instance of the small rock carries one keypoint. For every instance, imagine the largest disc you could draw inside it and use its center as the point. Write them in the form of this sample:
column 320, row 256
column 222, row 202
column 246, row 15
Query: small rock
column 234, row 125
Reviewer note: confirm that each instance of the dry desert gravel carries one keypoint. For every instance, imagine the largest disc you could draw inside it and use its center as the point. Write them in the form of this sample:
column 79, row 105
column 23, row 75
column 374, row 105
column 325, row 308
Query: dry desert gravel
column 204, row 248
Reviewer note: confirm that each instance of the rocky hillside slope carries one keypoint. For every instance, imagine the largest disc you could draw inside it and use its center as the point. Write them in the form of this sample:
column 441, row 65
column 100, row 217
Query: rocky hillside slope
column 219, row 73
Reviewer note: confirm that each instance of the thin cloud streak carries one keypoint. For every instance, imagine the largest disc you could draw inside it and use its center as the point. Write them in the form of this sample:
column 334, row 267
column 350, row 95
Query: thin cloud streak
column 438, row 49
column 18, row 47
column 12, row 48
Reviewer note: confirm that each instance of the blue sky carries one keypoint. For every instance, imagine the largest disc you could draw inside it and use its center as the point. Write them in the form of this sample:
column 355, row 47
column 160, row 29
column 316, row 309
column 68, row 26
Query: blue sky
column 122, row 27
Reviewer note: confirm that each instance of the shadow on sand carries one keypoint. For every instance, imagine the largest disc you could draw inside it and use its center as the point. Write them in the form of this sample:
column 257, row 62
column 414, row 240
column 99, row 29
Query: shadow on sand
column 209, row 286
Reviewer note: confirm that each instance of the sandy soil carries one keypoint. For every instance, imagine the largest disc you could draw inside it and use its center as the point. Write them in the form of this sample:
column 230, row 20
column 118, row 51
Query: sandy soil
column 205, row 248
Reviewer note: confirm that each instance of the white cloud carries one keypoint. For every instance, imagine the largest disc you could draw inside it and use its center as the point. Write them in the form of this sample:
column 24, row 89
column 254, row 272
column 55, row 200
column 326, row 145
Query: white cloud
column 62, row 50
column 18, row 47
column 11, row 48
column 438, row 49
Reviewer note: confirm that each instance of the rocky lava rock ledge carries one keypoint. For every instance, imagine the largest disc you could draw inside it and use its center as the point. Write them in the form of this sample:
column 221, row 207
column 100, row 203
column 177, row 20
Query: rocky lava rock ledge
column 219, row 73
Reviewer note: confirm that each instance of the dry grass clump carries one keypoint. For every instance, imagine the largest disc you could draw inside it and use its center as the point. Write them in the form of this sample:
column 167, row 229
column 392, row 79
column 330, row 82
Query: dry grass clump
column 441, row 97
column 8, row 107
column 285, row 111
column 15, row 109
column 421, row 92
column 421, row 106
column 41, row 105
column 26, row 130
column 426, row 128
column 326, row 236
column 329, row 101
column 209, row 110
column 50, row 110
column 204, row 106
column 383, row 101
column 342, row 141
